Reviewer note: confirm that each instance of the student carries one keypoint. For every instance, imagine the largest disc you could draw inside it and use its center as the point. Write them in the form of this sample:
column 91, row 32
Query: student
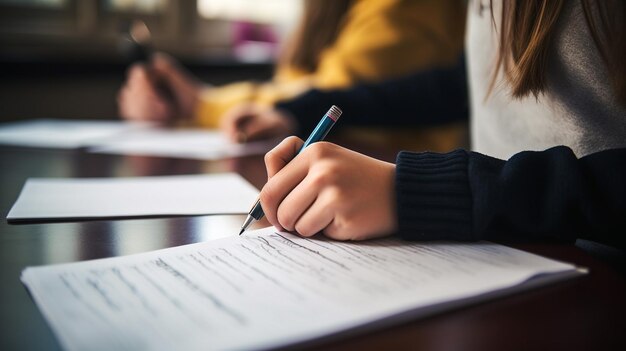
column 544, row 75
column 338, row 43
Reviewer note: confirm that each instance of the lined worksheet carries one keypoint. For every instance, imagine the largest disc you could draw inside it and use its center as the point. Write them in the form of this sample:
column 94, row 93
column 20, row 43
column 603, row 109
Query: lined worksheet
column 268, row 289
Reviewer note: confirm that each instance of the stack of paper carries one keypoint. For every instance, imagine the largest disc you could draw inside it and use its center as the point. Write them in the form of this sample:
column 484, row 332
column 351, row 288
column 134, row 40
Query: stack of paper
column 270, row 289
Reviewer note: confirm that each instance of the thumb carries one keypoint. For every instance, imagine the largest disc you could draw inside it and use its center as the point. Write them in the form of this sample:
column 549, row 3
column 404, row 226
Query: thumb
column 282, row 154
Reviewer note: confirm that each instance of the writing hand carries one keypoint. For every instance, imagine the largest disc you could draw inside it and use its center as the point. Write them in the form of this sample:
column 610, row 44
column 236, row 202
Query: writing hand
column 159, row 91
column 249, row 122
column 327, row 188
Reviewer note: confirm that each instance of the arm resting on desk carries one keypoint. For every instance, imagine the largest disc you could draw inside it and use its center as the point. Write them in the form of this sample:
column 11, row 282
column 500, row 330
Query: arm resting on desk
column 548, row 195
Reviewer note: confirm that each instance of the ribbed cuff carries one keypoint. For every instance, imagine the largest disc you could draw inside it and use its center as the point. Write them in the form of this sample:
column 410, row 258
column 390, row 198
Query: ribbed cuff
column 434, row 200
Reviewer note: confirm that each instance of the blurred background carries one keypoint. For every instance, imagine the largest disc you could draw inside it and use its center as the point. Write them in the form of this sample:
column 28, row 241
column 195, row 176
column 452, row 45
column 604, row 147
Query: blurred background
column 68, row 58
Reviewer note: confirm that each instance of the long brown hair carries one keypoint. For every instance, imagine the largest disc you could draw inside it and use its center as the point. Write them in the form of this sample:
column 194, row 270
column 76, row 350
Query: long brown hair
column 526, row 32
column 317, row 30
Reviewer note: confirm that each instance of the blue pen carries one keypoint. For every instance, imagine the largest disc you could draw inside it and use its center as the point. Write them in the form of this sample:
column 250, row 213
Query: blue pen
column 318, row 134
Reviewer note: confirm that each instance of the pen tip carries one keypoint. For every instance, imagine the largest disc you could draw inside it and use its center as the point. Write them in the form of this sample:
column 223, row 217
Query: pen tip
column 242, row 230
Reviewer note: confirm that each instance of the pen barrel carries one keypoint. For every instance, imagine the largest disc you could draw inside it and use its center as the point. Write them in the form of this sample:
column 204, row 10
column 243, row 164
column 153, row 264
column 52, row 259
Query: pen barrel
column 320, row 132
column 257, row 211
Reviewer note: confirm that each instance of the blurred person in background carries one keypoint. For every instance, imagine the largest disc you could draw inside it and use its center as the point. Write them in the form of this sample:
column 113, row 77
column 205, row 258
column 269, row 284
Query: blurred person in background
column 337, row 44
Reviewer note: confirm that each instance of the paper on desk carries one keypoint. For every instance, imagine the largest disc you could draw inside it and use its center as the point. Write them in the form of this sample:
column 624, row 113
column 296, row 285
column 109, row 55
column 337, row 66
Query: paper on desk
column 268, row 289
column 117, row 137
column 48, row 198
column 64, row 134
column 196, row 144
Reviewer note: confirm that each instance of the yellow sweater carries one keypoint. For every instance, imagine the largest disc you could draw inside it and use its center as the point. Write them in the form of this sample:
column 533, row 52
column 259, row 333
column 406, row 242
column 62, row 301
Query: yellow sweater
column 379, row 39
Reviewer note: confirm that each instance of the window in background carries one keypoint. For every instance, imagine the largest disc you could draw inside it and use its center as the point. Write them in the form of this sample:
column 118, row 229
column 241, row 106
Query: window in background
column 256, row 26
column 192, row 30
column 267, row 11
column 136, row 6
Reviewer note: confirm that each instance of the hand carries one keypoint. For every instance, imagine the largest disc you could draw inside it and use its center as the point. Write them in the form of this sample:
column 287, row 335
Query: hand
column 327, row 188
column 248, row 122
column 160, row 92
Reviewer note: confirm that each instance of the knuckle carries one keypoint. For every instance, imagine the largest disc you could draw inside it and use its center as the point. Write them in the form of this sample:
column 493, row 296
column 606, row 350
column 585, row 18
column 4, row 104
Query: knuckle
column 322, row 150
column 306, row 232
column 333, row 168
column 317, row 150
column 304, row 229
column 267, row 199
column 320, row 179
column 335, row 194
column 337, row 231
column 331, row 232
column 286, row 218
column 269, row 157
column 325, row 174
column 292, row 140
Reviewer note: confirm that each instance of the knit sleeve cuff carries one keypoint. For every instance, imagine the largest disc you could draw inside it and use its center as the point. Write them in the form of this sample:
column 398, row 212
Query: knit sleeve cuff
column 434, row 201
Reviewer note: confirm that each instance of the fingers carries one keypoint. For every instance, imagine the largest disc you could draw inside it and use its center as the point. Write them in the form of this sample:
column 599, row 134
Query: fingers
column 234, row 120
column 296, row 203
column 282, row 154
column 317, row 217
column 151, row 110
column 345, row 195
column 138, row 98
column 255, row 128
column 282, row 182
column 279, row 186
column 167, row 69
column 253, row 121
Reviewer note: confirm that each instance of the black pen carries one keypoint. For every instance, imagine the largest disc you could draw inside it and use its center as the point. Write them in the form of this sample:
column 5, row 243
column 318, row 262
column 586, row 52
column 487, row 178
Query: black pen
column 318, row 134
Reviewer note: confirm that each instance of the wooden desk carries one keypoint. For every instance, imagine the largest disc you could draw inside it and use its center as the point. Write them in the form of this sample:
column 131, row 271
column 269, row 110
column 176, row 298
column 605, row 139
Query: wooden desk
column 582, row 314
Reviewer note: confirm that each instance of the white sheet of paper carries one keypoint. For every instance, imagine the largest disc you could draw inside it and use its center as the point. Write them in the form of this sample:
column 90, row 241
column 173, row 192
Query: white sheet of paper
column 268, row 289
column 50, row 198
column 196, row 144
column 118, row 137
column 63, row 134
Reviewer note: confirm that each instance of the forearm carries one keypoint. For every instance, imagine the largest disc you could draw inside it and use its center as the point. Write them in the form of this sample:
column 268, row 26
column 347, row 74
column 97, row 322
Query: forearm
column 427, row 98
column 549, row 195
